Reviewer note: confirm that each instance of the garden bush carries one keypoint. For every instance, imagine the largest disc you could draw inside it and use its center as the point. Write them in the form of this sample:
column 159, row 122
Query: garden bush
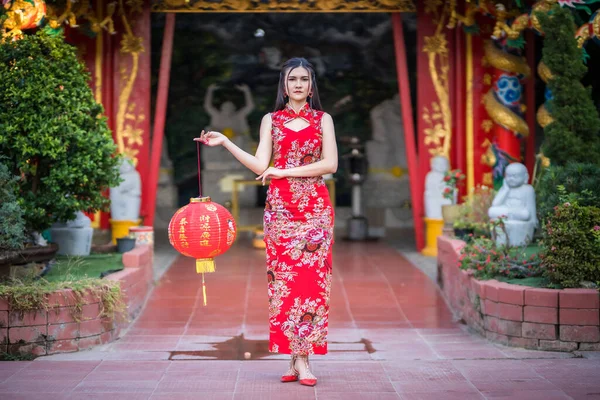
column 573, row 136
column 575, row 178
column 488, row 260
column 12, row 225
column 53, row 131
column 571, row 239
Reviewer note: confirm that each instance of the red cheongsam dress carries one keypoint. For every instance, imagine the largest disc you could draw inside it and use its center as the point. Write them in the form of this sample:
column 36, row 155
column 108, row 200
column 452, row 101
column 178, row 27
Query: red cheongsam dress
column 298, row 226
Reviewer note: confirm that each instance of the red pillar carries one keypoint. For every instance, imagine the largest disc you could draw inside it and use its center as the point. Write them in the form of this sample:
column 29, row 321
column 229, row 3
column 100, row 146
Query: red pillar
column 460, row 105
column 108, row 96
column 508, row 141
column 159, row 116
column 530, row 102
column 416, row 190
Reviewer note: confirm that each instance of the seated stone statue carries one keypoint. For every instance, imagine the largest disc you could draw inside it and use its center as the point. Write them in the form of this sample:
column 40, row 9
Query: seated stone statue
column 125, row 199
column 515, row 203
column 434, row 187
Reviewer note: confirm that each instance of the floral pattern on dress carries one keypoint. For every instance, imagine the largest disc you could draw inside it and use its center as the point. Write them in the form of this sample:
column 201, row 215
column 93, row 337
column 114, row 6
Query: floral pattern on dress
column 298, row 226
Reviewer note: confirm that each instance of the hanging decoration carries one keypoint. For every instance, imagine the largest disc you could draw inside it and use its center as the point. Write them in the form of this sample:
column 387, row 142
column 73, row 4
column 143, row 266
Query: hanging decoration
column 202, row 230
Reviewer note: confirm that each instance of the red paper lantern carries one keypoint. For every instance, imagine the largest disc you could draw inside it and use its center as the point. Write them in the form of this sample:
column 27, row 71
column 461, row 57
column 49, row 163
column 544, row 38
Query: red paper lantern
column 202, row 230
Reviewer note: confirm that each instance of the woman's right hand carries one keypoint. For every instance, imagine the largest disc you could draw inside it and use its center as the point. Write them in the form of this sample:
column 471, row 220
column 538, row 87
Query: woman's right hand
column 211, row 138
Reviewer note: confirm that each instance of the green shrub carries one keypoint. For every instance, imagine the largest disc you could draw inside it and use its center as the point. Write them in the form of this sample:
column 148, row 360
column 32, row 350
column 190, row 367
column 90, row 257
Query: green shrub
column 571, row 244
column 480, row 201
column 576, row 178
column 463, row 220
column 473, row 212
column 573, row 136
column 53, row 131
column 12, row 225
column 487, row 260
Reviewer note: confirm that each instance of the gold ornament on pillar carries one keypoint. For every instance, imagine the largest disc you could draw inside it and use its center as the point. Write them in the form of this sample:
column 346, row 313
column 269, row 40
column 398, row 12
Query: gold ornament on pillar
column 127, row 115
column 439, row 115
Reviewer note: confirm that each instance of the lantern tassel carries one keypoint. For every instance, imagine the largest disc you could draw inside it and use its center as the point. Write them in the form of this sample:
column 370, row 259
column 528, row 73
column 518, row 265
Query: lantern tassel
column 203, row 290
column 205, row 265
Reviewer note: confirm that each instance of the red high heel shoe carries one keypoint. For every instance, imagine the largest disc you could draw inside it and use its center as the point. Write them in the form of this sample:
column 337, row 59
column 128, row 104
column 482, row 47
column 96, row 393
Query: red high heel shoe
column 307, row 381
column 294, row 376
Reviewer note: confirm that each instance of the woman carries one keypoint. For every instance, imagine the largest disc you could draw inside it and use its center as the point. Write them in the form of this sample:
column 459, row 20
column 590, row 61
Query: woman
column 298, row 218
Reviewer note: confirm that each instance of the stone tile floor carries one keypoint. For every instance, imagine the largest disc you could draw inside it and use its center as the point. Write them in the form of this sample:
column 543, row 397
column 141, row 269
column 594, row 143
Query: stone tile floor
column 391, row 337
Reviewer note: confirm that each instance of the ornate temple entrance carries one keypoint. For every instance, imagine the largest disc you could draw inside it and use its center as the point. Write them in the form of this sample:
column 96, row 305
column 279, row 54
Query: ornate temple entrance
column 114, row 41
column 457, row 71
column 402, row 101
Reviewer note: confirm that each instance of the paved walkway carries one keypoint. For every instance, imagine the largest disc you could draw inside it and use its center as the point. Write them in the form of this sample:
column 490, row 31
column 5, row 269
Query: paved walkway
column 391, row 337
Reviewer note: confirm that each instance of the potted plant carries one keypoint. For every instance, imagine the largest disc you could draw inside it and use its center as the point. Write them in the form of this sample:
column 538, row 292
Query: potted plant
column 452, row 179
column 54, row 132
column 463, row 229
column 480, row 200
column 125, row 243
column 463, row 226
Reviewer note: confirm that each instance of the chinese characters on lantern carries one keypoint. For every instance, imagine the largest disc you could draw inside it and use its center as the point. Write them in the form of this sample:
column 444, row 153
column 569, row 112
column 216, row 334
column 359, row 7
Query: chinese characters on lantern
column 204, row 228
column 182, row 236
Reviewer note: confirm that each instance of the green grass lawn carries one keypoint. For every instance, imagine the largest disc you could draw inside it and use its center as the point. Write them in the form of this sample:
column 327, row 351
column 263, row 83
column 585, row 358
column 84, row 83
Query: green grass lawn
column 69, row 268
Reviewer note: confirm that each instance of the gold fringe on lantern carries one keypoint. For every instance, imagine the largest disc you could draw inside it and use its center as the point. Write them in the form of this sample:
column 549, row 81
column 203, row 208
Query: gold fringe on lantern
column 205, row 265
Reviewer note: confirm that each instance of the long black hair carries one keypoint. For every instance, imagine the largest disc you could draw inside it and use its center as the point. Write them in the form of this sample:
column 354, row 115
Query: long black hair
column 313, row 99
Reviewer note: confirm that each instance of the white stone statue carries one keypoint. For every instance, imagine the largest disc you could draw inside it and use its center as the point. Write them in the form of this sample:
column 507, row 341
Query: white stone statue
column 386, row 151
column 434, row 187
column 232, row 123
column 227, row 117
column 515, row 203
column 125, row 199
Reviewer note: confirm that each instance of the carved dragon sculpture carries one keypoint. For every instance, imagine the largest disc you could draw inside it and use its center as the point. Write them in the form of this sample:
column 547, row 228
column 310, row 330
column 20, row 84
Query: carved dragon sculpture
column 22, row 15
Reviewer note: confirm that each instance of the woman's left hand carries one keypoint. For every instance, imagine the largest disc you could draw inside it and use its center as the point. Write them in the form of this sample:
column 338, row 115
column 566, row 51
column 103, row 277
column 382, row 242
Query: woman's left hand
column 271, row 173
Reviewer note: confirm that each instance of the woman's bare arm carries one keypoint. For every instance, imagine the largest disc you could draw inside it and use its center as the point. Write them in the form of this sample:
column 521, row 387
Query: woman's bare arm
column 259, row 162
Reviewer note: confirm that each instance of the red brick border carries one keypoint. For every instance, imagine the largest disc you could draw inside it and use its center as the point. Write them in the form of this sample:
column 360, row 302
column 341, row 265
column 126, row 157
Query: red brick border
column 63, row 328
column 543, row 319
